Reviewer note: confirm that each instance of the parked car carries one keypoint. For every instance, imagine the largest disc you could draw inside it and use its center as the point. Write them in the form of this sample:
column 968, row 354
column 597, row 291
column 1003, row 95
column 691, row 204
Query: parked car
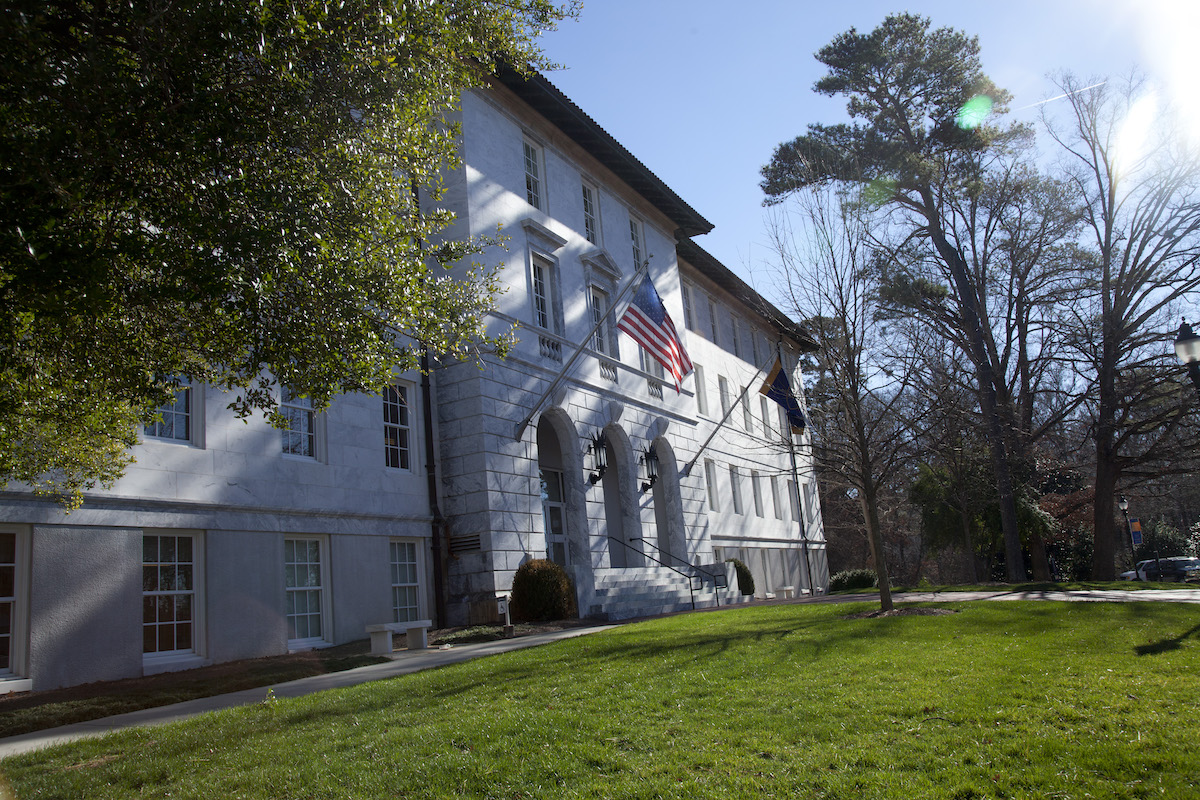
column 1135, row 574
column 1174, row 568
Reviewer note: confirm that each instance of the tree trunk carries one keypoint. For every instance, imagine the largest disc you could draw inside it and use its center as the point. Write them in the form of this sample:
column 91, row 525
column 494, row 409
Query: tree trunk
column 870, row 510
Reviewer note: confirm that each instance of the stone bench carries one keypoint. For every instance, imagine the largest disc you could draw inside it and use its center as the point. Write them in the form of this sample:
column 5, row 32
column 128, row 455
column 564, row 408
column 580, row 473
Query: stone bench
column 417, row 632
column 789, row 592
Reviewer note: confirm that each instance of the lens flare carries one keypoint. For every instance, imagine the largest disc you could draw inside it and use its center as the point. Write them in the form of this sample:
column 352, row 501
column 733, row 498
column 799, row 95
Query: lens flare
column 974, row 112
column 1134, row 135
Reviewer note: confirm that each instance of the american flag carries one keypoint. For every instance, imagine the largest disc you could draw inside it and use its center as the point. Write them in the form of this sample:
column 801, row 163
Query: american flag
column 647, row 321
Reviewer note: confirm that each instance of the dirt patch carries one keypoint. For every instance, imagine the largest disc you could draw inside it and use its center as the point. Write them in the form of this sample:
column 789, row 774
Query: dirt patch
column 907, row 611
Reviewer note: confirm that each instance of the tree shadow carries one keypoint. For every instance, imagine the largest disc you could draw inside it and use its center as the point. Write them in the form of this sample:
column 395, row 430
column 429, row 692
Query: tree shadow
column 1166, row 645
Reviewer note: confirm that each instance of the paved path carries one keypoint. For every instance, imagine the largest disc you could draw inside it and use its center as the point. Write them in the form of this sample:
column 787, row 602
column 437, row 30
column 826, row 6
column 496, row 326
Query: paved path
column 406, row 661
column 403, row 662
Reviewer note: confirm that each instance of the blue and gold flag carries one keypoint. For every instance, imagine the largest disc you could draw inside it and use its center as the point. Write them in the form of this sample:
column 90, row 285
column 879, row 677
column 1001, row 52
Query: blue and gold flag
column 778, row 389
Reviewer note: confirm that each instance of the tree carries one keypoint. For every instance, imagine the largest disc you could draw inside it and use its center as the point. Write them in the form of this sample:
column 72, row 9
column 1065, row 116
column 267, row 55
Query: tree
column 238, row 193
column 860, row 439
column 919, row 98
column 1142, row 216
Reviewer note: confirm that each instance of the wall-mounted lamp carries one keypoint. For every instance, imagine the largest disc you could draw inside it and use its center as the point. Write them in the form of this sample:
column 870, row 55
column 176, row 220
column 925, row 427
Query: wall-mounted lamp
column 599, row 452
column 650, row 460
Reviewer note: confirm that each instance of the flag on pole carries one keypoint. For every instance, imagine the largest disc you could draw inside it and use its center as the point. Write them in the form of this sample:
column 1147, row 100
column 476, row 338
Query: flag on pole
column 647, row 321
column 778, row 389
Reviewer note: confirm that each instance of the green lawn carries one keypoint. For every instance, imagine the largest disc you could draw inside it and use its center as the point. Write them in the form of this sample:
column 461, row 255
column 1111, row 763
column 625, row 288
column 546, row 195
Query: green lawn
column 1020, row 700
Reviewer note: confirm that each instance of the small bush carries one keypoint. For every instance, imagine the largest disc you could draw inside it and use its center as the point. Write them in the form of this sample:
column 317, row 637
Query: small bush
column 744, row 578
column 853, row 579
column 541, row 590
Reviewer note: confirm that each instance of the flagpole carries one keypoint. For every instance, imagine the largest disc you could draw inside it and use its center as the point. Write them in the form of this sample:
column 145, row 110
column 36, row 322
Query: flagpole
column 791, row 437
column 687, row 470
column 643, row 268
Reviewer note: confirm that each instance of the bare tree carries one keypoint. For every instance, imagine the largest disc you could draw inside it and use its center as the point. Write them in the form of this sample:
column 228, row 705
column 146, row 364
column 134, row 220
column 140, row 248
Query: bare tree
column 860, row 439
column 1141, row 199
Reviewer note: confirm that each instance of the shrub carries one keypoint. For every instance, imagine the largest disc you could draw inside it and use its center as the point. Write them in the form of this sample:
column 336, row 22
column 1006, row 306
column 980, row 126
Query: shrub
column 853, row 579
column 744, row 578
column 541, row 590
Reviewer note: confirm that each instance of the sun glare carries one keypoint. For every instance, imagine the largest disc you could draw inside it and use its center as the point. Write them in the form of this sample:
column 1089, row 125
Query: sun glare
column 1166, row 33
column 1133, row 137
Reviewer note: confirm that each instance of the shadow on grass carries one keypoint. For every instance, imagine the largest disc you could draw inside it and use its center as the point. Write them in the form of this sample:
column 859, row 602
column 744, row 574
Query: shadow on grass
column 1166, row 645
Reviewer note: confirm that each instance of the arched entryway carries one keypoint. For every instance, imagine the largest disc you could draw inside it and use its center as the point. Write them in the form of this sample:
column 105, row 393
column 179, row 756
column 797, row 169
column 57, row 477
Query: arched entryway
column 669, row 536
column 620, row 509
column 561, row 496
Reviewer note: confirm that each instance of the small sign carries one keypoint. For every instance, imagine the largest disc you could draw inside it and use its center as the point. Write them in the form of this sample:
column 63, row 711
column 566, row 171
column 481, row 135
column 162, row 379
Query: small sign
column 1135, row 530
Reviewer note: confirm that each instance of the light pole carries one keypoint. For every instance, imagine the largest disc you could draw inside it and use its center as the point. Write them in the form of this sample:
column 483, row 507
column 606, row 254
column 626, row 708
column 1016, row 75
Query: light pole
column 1123, row 504
column 1187, row 347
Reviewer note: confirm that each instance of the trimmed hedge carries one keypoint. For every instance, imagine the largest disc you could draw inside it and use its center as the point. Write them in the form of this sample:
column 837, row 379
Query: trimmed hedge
column 853, row 579
column 541, row 590
column 744, row 577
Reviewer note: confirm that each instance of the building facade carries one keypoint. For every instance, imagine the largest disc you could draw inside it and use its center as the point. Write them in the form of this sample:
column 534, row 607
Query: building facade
column 231, row 539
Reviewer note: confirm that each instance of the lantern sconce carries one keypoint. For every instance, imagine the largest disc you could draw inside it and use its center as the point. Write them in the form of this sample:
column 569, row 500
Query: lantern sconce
column 650, row 460
column 599, row 452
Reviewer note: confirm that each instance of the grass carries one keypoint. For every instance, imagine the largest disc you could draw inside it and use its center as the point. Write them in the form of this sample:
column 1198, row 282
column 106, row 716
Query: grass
column 1066, row 586
column 1015, row 699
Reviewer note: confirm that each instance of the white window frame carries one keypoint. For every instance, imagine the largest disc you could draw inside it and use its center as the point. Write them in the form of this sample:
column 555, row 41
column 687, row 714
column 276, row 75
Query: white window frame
column 756, row 490
column 177, row 658
column 637, row 241
column 747, row 415
column 776, row 505
column 710, row 480
column 764, row 405
column 735, row 323
column 714, row 324
column 793, row 501
column 407, row 579
column 701, row 389
column 398, row 439
column 191, row 414
column 534, row 163
column 549, row 506
column 603, row 342
column 299, row 413
column 14, row 676
column 591, row 212
column 735, row 488
column 726, row 397
column 545, row 294
column 651, row 365
column 689, row 312
column 322, row 590
column 810, row 500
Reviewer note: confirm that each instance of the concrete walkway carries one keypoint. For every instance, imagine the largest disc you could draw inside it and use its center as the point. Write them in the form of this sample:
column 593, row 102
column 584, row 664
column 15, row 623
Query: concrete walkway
column 404, row 662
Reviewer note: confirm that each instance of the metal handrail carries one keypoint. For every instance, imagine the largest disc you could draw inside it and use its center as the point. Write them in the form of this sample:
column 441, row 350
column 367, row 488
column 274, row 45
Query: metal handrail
column 703, row 572
column 691, row 590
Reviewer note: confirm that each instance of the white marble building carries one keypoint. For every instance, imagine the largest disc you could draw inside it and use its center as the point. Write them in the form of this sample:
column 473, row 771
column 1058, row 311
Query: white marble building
column 229, row 540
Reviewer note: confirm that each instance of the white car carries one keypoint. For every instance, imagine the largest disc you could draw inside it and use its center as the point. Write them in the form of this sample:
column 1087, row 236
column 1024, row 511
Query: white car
column 1138, row 573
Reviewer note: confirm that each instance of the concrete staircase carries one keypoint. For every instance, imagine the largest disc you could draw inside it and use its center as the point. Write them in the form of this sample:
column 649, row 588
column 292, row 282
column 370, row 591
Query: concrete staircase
column 643, row 592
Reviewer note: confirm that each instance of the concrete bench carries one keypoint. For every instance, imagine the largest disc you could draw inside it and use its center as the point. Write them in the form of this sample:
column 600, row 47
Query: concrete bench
column 789, row 592
column 417, row 632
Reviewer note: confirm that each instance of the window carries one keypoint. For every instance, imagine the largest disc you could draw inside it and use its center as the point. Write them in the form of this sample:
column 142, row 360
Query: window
column 764, row 405
column 553, row 519
column 651, row 364
column 169, row 607
column 735, row 487
column 689, row 314
column 599, row 303
column 710, row 481
column 726, row 399
column 635, row 235
column 299, row 437
column 747, row 417
column 11, row 611
column 762, row 347
column 776, row 506
column 713, row 326
column 755, row 349
column 396, row 425
column 591, row 218
column 533, row 173
column 545, row 295
column 793, row 500
column 810, row 499
column 304, row 581
column 735, row 325
column 173, row 421
column 756, row 489
column 701, row 390
column 406, row 583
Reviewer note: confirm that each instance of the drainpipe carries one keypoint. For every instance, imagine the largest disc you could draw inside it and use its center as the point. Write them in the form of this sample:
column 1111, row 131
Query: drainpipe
column 438, row 523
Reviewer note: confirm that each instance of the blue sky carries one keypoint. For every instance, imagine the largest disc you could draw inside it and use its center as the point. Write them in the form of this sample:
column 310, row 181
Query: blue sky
column 702, row 91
